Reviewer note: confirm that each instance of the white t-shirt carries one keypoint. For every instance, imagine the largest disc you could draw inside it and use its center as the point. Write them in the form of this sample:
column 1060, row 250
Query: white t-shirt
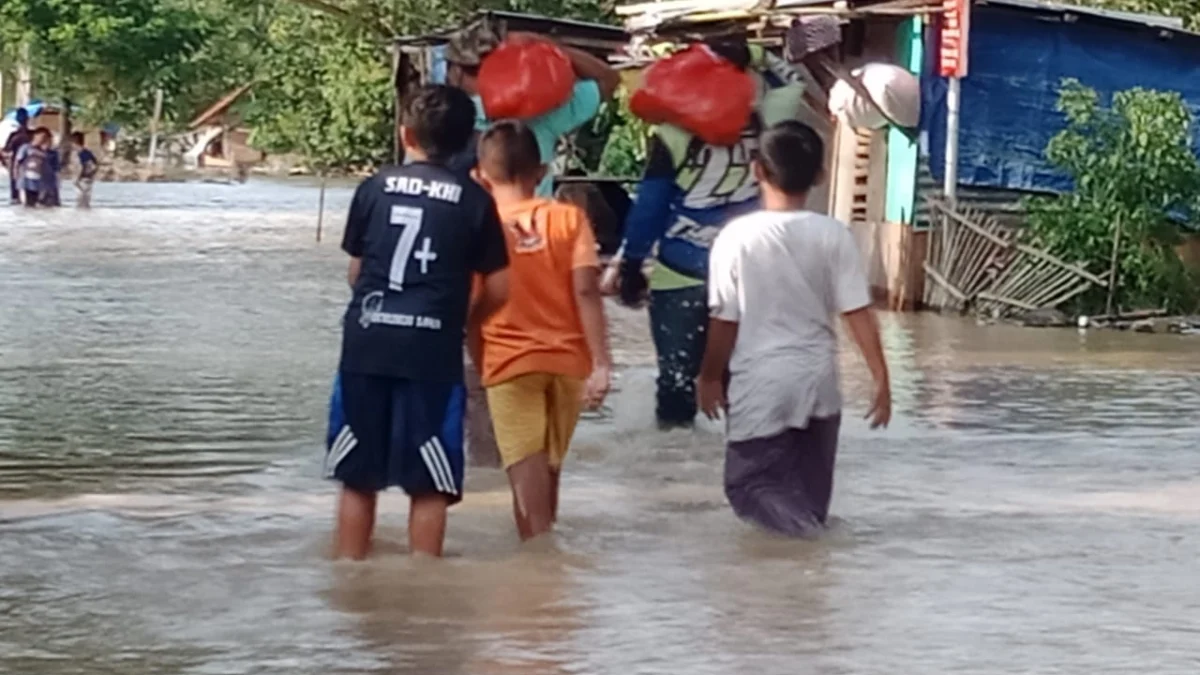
column 784, row 278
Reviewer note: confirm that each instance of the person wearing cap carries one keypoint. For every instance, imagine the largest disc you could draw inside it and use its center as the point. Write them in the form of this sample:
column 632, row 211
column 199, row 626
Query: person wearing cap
column 872, row 96
column 596, row 83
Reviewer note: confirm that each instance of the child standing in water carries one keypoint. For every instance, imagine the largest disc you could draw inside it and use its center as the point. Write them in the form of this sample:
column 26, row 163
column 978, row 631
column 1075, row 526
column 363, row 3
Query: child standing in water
column 778, row 279
column 416, row 235
column 50, row 195
column 544, row 356
column 33, row 165
column 88, row 166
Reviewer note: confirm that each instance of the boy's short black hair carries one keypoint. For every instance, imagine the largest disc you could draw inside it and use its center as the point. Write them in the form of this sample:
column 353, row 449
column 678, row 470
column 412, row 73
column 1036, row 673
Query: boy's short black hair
column 792, row 156
column 508, row 151
column 441, row 119
column 42, row 131
column 77, row 138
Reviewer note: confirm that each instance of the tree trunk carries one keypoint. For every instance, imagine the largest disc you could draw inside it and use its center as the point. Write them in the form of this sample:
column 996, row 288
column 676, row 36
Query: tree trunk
column 321, row 206
column 158, row 103
column 64, row 136
column 24, row 77
column 1112, row 270
column 397, row 84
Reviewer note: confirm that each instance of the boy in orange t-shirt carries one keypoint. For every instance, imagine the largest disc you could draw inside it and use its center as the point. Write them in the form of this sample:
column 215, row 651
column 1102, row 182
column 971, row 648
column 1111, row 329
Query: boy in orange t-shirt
column 544, row 356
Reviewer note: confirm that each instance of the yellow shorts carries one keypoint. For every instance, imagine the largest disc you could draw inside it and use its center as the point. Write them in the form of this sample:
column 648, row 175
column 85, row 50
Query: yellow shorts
column 535, row 413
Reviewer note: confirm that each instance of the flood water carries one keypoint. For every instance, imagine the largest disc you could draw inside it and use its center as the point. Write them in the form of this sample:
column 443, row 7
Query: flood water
column 165, row 362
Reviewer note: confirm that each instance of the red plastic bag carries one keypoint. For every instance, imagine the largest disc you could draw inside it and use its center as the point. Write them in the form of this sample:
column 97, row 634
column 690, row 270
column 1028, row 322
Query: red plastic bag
column 525, row 78
column 699, row 91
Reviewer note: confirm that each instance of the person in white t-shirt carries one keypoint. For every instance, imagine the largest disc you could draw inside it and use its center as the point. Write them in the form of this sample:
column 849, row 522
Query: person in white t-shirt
column 778, row 280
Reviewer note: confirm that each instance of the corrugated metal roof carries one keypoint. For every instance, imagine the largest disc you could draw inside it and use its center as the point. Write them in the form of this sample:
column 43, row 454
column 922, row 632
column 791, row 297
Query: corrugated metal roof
column 660, row 14
column 220, row 106
column 524, row 22
column 1151, row 20
column 1003, row 205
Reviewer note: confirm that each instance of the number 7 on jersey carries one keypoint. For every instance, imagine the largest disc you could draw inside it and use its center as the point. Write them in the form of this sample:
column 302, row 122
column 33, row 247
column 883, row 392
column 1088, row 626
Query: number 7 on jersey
column 409, row 218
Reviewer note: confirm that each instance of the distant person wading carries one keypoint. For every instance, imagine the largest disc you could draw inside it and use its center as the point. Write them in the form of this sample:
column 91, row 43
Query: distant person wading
column 16, row 142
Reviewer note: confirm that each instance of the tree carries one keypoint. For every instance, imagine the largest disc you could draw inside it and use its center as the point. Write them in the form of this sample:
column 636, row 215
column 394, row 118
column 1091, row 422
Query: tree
column 324, row 81
column 321, row 68
column 1134, row 168
column 1188, row 10
column 323, row 90
column 109, row 54
column 625, row 137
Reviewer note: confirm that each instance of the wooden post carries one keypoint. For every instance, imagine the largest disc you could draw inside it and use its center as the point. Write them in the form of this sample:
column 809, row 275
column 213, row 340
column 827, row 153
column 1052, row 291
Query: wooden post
column 64, row 135
column 158, row 103
column 24, row 77
column 953, row 110
column 397, row 84
column 321, row 205
column 1112, row 269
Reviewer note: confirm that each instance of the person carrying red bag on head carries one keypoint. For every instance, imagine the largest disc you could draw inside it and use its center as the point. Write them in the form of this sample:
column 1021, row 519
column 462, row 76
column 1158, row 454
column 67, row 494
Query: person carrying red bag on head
column 689, row 190
column 595, row 83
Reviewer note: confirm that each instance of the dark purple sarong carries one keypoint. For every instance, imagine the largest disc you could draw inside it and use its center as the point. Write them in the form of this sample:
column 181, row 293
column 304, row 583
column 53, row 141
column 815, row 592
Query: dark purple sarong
column 784, row 482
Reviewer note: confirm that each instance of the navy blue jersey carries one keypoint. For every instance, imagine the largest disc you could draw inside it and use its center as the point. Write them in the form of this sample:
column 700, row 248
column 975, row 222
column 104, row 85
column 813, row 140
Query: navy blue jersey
column 422, row 232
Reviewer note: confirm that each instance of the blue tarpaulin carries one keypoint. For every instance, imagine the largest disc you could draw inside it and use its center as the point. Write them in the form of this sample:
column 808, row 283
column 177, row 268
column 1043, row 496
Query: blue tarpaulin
column 34, row 109
column 438, row 65
column 1018, row 60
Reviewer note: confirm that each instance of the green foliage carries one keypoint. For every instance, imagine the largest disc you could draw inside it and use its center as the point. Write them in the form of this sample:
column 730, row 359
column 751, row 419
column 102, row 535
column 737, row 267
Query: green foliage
column 627, row 139
column 1133, row 164
column 110, row 55
column 321, row 68
column 1188, row 10
column 323, row 91
column 325, row 76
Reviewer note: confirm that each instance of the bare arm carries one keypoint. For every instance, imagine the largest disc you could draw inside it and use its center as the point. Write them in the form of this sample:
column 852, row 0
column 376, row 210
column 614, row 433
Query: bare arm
column 354, row 236
column 711, row 385
column 588, row 67
column 591, row 315
column 864, row 330
column 492, row 294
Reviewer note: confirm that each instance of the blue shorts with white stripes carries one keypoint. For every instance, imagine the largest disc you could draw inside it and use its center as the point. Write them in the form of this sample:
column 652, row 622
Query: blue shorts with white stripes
column 388, row 432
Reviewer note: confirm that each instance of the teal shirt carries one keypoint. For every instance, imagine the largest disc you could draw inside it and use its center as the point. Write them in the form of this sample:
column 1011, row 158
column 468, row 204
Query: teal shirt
column 583, row 105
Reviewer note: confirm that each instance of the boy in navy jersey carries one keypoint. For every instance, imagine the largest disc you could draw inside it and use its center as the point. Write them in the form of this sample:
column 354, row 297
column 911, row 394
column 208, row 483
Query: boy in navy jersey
column 415, row 235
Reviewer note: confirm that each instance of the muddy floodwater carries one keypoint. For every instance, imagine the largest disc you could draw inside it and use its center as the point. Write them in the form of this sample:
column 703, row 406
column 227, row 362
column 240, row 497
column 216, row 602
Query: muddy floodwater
column 165, row 363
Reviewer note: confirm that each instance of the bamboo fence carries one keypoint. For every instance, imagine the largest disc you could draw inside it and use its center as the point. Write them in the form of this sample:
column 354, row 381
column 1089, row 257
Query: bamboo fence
column 976, row 264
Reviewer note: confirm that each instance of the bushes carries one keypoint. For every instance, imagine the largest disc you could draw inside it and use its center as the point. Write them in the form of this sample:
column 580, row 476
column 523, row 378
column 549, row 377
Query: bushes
column 628, row 137
column 1133, row 164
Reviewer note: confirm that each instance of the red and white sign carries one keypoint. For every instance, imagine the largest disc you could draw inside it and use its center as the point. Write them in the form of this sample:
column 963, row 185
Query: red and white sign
column 956, row 27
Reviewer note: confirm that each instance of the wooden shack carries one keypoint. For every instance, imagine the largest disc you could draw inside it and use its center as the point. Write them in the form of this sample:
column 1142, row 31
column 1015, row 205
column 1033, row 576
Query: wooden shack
column 420, row 59
column 873, row 173
column 216, row 138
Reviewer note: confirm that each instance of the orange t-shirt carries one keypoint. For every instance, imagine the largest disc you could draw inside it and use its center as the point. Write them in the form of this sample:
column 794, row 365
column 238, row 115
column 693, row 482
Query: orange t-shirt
column 538, row 330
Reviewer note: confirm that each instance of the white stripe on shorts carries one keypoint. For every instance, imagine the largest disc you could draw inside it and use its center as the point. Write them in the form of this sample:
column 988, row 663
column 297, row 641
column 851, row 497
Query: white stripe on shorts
column 440, row 454
column 341, row 437
column 431, row 464
column 339, row 450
